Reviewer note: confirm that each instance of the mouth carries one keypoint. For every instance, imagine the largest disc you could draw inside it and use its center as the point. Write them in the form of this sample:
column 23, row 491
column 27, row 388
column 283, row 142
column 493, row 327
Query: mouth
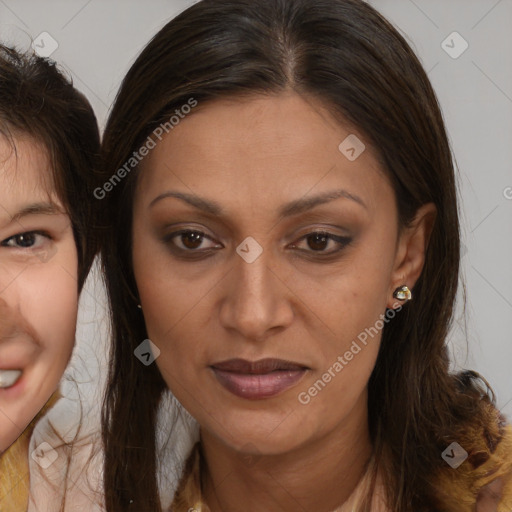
column 8, row 378
column 258, row 380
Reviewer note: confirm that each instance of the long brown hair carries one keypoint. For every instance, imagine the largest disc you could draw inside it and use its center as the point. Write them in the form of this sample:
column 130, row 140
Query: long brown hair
column 344, row 53
column 37, row 99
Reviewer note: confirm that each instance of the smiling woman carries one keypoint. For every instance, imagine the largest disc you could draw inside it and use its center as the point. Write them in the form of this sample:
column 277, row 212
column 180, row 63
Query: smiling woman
column 33, row 232
column 293, row 245
column 49, row 144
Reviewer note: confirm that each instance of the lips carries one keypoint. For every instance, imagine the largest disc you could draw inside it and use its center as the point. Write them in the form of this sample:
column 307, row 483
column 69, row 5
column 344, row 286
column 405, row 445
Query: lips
column 256, row 380
column 16, row 356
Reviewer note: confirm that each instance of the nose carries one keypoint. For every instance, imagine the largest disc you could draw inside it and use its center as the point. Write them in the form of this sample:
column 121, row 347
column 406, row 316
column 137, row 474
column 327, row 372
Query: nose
column 258, row 302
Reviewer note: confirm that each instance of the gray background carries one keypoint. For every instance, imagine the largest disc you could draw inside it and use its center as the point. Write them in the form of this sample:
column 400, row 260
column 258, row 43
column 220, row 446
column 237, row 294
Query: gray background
column 98, row 40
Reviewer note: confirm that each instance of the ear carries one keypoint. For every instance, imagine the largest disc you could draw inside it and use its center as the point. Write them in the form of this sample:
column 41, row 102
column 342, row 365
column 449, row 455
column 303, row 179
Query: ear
column 411, row 248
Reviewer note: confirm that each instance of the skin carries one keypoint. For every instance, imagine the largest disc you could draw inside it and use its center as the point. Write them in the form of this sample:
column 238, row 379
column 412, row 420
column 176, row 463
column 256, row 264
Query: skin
column 252, row 156
column 490, row 496
column 38, row 285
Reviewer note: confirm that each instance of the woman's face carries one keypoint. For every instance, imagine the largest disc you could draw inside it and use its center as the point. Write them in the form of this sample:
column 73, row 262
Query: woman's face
column 232, row 275
column 38, row 287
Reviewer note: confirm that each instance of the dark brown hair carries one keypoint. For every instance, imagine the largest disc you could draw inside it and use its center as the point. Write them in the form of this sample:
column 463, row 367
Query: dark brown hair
column 36, row 99
column 345, row 54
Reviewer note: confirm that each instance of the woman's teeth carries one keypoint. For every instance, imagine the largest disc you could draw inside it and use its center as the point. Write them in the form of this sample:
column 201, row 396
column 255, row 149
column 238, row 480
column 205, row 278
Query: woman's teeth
column 9, row 377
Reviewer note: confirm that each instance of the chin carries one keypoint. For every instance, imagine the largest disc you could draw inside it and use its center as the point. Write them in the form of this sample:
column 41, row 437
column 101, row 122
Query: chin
column 266, row 434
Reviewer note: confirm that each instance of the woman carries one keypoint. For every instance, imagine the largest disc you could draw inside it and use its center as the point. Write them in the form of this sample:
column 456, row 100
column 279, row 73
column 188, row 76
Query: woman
column 49, row 144
column 282, row 253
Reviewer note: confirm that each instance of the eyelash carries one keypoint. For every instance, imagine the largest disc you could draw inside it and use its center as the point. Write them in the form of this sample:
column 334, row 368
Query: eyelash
column 25, row 234
column 341, row 240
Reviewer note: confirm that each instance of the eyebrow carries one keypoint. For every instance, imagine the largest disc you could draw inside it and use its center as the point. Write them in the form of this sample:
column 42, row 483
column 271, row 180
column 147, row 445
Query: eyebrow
column 36, row 209
column 288, row 210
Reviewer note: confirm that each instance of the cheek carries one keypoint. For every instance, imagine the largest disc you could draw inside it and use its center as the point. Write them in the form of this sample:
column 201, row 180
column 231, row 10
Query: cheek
column 338, row 302
column 176, row 300
column 177, row 314
column 49, row 301
column 169, row 291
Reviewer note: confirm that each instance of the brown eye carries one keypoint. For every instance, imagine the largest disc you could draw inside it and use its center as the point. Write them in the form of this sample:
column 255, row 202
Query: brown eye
column 318, row 241
column 191, row 239
column 187, row 240
column 25, row 240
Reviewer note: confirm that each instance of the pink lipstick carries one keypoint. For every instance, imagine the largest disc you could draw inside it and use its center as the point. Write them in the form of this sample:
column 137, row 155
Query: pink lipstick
column 259, row 379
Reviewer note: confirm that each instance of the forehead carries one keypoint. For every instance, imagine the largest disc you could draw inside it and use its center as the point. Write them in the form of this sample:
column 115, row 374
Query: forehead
column 24, row 162
column 262, row 147
column 25, row 172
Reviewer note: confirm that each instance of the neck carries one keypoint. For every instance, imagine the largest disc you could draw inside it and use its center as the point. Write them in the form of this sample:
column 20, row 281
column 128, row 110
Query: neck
column 318, row 476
